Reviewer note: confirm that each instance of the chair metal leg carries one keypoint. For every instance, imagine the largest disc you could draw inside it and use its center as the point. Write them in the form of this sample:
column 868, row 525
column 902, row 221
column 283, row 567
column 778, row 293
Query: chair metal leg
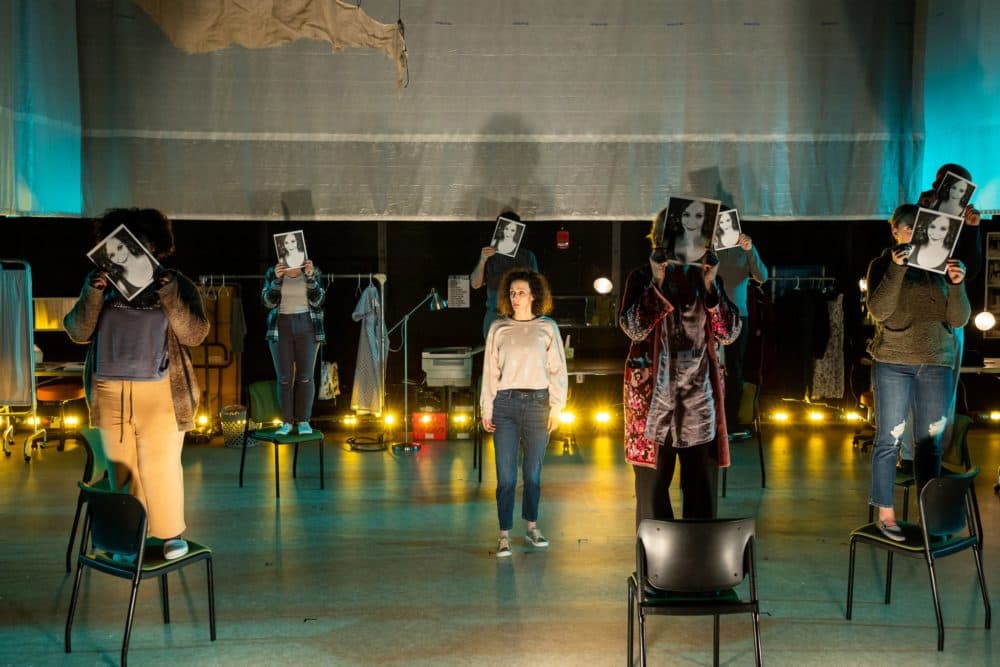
column 937, row 604
column 72, row 532
column 165, row 599
column 760, row 456
column 628, row 623
column 850, row 579
column 642, row 636
column 725, row 477
column 128, row 619
column 758, row 653
column 295, row 461
column 906, row 501
column 243, row 458
column 715, row 640
column 277, row 483
column 982, row 584
column 211, row 598
column 72, row 607
column 888, row 578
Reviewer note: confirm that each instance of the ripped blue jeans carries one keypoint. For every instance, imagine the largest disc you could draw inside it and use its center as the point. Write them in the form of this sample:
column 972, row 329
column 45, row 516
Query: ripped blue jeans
column 897, row 387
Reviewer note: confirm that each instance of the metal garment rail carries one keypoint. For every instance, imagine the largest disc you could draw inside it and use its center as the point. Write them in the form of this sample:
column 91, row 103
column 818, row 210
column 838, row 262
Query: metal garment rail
column 209, row 280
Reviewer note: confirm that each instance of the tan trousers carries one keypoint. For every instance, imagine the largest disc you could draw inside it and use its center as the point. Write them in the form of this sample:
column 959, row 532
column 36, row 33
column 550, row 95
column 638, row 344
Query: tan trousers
column 143, row 448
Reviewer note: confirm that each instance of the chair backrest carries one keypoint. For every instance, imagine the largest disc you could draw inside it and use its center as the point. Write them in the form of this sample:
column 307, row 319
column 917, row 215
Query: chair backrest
column 944, row 509
column 694, row 555
column 956, row 451
column 748, row 404
column 117, row 521
column 264, row 406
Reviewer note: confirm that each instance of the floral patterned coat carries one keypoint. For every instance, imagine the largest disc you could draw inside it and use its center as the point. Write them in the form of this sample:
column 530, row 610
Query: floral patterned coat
column 641, row 317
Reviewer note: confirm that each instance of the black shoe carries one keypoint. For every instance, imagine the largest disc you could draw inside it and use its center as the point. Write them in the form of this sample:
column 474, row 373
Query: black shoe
column 905, row 466
column 741, row 434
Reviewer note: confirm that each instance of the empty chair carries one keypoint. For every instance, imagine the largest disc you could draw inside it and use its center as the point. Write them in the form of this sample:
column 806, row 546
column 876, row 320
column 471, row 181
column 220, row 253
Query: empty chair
column 949, row 524
column 692, row 567
column 114, row 542
column 264, row 410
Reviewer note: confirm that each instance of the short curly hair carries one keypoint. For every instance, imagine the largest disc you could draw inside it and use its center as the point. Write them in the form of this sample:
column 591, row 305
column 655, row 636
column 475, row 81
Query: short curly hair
column 539, row 286
column 150, row 226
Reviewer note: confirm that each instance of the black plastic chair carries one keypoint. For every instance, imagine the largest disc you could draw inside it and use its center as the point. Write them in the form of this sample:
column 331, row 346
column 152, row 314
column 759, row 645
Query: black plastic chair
column 750, row 414
column 264, row 410
column 114, row 529
column 949, row 524
column 692, row 568
column 955, row 458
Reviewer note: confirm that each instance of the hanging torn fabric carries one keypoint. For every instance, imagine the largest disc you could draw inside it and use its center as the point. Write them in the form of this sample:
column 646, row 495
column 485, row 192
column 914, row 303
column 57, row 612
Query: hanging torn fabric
column 196, row 26
column 367, row 392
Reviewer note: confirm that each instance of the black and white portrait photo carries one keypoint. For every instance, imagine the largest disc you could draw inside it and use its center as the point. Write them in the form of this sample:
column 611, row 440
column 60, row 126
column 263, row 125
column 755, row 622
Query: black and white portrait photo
column 129, row 265
column 291, row 248
column 953, row 195
column 727, row 229
column 935, row 235
column 507, row 236
column 688, row 227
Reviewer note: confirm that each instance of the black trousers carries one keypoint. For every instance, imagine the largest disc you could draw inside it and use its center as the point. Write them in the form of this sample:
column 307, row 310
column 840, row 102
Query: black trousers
column 699, row 483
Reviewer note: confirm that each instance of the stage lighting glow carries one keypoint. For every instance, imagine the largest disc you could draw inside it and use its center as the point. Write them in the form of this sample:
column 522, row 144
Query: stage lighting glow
column 72, row 420
column 460, row 418
column 816, row 416
column 389, row 419
column 350, row 420
column 853, row 416
column 863, row 285
column 780, row 416
column 276, row 421
column 603, row 286
column 567, row 417
column 985, row 320
column 202, row 419
column 995, row 416
column 33, row 421
column 425, row 419
column 602, row 417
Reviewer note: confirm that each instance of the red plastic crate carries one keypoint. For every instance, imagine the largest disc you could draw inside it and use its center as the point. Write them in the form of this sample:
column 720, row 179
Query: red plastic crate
column 429, row 426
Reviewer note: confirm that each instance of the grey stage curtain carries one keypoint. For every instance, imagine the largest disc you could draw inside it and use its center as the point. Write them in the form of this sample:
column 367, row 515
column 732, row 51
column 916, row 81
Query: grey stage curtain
column 569, row 109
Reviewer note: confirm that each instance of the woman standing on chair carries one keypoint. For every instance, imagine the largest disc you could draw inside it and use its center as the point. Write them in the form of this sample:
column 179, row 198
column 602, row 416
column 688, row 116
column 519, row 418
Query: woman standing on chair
column 139, row 379
column 676, row 314
column 917, row 313
column 524, row 389
column 294, row 299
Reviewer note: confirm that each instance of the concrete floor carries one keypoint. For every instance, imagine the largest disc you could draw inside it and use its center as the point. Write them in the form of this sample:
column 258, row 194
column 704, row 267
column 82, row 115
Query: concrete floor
column 393, row 564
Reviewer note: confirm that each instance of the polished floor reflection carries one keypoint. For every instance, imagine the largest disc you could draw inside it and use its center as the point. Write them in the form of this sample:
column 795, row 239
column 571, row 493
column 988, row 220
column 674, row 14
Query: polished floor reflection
column 393, row 564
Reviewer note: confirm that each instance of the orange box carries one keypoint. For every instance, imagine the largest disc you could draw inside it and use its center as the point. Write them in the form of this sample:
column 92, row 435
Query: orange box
column 430, row 426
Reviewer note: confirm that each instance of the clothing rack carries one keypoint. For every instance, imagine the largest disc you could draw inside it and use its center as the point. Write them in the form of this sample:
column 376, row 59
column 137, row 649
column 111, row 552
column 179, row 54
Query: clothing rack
column 810, row 281
column 209, row 280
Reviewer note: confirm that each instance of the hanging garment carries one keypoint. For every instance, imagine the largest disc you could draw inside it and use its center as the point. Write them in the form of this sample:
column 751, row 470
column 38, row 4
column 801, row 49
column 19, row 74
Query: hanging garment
column 828, row 373
column 367, row 393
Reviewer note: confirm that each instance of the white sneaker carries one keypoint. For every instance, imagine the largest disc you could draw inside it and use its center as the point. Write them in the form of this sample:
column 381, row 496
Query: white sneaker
column 305, row 429
column 284, row 429
column 503, row 548
column 174, row 548
column 534, row 538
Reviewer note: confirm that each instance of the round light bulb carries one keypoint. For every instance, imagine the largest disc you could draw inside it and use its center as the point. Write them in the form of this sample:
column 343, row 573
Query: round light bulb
column 603, row 286
column 863, row 285
column 985, row 320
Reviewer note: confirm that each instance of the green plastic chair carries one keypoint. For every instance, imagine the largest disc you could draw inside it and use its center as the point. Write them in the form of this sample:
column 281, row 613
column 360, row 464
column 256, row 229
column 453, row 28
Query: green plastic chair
column 264, row 409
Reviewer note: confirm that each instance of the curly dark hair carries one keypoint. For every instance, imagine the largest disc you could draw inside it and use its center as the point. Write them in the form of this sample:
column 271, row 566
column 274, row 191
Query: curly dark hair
column 539, row 286
column 956, row 169
column 150, row 226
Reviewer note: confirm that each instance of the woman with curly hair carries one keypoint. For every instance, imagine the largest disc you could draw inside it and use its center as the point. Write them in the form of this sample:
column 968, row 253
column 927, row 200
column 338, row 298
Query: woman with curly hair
column 524, row 389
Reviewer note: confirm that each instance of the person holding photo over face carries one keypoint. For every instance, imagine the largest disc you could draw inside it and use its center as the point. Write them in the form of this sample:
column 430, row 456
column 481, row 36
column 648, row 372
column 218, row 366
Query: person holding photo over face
column 917, row 314
column 737, row 266
column 290, row 250
column 294, row 301
column 141, row 386
column 727, row 234
column 932, row 243
column 952, row 195
column 690, row 218
column 507, row 238
column 676, row 315
column 125, row 262
column 525, row 385
column 493, row 265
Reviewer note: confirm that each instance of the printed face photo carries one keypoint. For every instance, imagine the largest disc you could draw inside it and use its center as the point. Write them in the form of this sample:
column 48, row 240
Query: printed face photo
column 127, row 263
column 291, row 248
column 689, row 224
column 935, row 235
column 507, row 236
column 727, row 230
column 953, row 194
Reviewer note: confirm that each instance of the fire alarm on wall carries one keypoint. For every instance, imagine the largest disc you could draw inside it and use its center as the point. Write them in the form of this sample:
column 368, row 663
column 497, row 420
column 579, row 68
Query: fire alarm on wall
column 562, row 239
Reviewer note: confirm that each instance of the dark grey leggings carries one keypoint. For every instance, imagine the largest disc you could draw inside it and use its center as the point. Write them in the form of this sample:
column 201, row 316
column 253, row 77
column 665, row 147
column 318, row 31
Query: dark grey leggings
column 294, row 356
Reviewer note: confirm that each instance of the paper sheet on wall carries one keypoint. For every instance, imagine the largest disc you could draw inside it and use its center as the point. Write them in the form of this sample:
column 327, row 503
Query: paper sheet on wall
column 458, row 291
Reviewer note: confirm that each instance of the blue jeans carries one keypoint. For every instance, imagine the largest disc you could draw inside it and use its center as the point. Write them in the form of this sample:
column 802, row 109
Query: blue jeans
column 294, row 357
column 897, row 388
column 520, row 415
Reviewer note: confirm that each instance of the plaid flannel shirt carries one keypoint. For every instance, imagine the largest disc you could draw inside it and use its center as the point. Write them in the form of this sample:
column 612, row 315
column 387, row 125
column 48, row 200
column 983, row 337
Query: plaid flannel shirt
column 315, row 293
